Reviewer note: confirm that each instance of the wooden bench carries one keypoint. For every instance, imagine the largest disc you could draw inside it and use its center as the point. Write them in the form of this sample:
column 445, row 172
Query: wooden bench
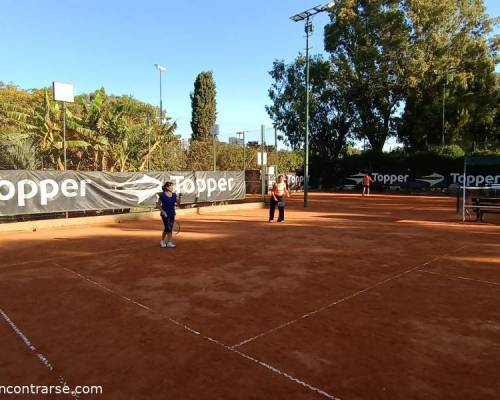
column 483, row 205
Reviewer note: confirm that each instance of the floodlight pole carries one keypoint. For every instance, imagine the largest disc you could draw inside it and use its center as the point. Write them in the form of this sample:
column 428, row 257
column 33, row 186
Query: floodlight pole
column 161, row 69
column 309, row 29
column 306, row 16
column 243, row 134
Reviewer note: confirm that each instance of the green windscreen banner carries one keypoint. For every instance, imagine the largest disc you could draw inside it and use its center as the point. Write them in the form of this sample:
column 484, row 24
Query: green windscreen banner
column 33, row 192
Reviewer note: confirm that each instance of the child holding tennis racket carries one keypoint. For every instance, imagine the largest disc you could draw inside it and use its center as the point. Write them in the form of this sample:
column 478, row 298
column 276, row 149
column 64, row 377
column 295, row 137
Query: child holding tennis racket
column 166, row 204
column 278, row 193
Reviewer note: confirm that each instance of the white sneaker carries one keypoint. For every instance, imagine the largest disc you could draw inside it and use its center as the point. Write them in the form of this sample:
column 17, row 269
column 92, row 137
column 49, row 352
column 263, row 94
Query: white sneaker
column 162, row 244
column 171, row 245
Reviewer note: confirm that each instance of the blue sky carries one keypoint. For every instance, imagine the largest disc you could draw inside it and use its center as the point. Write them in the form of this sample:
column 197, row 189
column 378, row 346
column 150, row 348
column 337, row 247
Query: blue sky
column 115, row 44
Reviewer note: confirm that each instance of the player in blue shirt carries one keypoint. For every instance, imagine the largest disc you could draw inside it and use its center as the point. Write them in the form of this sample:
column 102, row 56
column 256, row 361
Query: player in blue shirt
column 166, row 204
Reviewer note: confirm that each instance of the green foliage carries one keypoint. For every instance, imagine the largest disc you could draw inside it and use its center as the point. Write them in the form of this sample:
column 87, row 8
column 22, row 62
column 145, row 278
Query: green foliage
column 204, row 107
column 451, row 61
column 201, row 155
column 289, row 161
column 392, row 65
column 417, row 163
column 170, row 156
column 20, row 155
column 331, row 118
column 452, row 151
column 494, row 151
column 230, row 158
column 368, row 44
column 103, row 132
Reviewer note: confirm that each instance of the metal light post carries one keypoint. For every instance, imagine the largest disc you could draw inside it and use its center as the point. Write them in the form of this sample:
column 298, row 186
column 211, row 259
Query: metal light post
column 244, row 161
column 160, row 68
column 306, row 16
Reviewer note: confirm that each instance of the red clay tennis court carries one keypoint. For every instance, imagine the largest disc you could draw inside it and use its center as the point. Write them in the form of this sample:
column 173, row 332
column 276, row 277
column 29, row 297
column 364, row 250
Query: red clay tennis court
column 385, row 297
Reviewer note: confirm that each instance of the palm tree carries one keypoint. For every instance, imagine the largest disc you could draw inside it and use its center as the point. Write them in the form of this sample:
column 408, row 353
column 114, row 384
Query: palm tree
column 93, row 118
column 43, row 123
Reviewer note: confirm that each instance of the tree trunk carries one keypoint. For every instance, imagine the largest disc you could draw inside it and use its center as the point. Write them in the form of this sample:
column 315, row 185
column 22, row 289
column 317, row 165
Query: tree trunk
column 145, row 161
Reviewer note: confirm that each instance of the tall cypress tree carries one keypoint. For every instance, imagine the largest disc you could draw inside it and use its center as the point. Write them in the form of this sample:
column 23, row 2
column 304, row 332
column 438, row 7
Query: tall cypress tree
column 204, row 106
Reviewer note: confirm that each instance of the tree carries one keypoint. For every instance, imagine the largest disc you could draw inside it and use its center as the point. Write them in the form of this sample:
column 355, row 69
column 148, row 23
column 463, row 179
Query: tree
column 103, row 132
column 368, row 44
column 204, row 107
column 331, row 117
column 128, row 126
column 93, row 110
column 43, row 125
column 450, row 55
column 20, row 154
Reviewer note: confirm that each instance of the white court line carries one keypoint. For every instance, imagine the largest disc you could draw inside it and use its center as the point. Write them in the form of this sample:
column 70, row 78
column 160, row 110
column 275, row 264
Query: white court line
column 343, row 299
column 30, row 346
column 207, row 338
column 458, row 277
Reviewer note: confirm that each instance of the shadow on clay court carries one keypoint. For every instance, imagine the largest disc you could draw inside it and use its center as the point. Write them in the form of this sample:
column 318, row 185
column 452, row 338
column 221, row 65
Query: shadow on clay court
column 345, row 302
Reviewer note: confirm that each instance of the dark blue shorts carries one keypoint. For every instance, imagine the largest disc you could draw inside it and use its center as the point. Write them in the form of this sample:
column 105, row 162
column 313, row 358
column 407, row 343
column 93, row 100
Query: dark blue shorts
column 168, row 223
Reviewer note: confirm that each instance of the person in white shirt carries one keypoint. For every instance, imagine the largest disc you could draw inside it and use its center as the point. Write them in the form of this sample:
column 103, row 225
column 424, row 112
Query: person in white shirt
column 278, row 193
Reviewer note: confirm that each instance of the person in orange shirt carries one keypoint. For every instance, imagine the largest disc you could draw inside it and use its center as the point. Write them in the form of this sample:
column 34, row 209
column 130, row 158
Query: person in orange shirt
column 278, row 193
column 367, row 179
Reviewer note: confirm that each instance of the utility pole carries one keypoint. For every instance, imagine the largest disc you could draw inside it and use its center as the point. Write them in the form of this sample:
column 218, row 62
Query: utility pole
column 309, row 30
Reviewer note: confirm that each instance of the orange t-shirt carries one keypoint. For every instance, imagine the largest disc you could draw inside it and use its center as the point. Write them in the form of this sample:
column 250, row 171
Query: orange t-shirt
column 366, row 180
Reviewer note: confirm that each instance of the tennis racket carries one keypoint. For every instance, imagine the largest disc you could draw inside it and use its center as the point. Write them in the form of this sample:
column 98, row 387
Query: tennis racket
column 281, row 204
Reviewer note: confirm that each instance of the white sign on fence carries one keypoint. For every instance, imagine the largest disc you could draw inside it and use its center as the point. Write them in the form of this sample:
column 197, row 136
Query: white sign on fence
column 261, row 158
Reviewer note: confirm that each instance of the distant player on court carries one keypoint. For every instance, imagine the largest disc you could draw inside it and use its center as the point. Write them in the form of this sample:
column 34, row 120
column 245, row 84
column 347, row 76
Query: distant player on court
column 166, row 204
column 367, row 179
column 277, row 198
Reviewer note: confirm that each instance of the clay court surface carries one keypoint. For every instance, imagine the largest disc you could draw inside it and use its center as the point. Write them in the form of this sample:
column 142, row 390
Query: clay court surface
column 386, row 297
